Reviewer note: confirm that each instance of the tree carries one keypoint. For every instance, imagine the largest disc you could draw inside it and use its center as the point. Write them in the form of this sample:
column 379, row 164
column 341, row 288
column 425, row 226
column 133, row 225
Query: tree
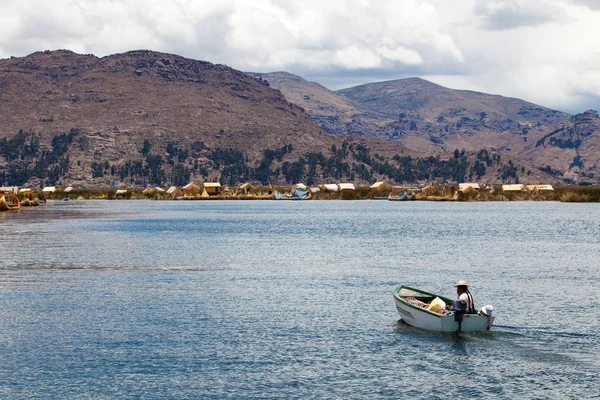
column 146, row 147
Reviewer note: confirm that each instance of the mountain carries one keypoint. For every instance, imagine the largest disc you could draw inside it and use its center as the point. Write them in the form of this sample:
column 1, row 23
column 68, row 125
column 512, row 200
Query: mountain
column 332, row 112
column 149, row 118
column 108, row 109
column 427, row 119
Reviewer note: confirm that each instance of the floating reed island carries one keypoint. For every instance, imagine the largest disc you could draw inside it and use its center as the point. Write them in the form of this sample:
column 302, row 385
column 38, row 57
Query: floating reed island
column 340, row 191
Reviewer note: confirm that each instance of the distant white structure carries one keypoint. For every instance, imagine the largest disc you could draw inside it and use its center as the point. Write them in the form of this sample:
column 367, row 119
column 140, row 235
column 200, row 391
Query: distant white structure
column 540, row 188
column 346, row 186
column 463, row 186
column 49, row 189
column 513, row 188
column 381, row 186
column 9, row 189
column 330, row 187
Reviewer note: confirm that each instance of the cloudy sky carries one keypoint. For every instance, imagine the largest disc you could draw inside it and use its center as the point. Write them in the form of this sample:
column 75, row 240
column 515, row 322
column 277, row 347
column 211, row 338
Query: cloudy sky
column 544, row 51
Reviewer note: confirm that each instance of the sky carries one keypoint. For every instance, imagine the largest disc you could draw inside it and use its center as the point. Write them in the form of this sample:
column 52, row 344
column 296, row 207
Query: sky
column 543, row 51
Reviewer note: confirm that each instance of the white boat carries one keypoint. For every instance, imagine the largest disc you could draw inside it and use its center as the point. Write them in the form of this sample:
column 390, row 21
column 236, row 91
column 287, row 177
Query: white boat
column 411, row 304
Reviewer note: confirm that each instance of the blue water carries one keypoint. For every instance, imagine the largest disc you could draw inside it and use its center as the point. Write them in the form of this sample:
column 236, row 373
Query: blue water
column 265, row 299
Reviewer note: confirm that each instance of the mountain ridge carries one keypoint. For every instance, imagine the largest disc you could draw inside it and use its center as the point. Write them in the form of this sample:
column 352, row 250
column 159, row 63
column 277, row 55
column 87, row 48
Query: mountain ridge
column 427, row 118
column 145, row 117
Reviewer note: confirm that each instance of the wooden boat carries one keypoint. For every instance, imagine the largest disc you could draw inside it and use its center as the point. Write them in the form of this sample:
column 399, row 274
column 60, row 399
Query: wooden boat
column 295, row 194
column 400, row 197
column 30, row 202
column 11, row 203
column 412, row 306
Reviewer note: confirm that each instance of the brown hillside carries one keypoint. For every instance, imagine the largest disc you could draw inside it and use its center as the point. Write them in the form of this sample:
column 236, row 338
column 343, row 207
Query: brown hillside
column 332, row 112
column 116, row 102
column 429, row 119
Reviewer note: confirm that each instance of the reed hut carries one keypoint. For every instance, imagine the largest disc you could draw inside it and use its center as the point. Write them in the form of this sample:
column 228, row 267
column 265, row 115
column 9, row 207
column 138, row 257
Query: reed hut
column 513, row 188
column 246, row 189
column 174, row 191
column 464, row 186
column 381, row 186
column 191, row 189
column 428, row 190
column 330, row 187
column 9, row 189
column 540, row 188
column 152, row 190
column 212, row 189
column 346, row 187
column 467, row 191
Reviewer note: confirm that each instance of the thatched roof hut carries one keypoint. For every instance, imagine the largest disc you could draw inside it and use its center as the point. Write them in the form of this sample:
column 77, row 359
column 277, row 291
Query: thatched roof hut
column 468, row 190
column 381, row 186
column 346, row 186
column 9, row 189
column 463, row 186
column 152, row 190
column 211, row 188
column 174, row 191
column 540, row 188
column 427, row 190
column 330, row 187
column 246, row 189
column 191, row 189
column 513, row 188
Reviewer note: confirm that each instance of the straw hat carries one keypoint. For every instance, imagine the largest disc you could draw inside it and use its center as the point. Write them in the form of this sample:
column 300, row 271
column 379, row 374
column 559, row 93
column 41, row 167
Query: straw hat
column 461, row 283
column 487, row 310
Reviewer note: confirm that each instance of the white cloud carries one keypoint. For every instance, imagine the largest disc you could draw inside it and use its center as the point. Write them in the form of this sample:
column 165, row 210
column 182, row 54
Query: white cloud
column 402, row 54
column 510, row 14
column 543, row 51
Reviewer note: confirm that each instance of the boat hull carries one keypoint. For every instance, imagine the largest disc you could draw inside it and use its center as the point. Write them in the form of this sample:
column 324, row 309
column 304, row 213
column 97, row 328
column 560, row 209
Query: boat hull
column 9, row 204
column 421, row 318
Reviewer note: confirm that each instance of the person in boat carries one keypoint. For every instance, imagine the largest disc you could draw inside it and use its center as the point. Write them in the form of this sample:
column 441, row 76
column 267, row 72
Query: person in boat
column 464, row 299
column 487, row 311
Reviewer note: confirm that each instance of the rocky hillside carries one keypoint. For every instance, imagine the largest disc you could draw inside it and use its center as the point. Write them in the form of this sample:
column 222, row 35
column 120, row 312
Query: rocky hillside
column 147, row 118
column 110, row 110
column 426, row 119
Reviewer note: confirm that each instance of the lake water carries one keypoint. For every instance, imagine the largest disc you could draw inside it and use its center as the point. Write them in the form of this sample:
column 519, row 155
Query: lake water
column 265, row 299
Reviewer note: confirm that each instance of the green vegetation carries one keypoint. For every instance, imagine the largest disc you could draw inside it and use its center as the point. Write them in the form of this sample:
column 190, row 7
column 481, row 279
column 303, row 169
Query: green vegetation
column 579, row 194
column 177, row 164
column 31, row 160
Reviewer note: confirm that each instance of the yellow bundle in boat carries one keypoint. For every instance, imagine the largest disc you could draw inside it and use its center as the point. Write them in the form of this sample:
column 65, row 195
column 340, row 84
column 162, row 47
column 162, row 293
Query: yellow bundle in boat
column 436, row 305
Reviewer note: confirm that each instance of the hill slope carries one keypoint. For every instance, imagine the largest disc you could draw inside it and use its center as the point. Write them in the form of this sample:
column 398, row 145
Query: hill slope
column 430, row 119
column 148, row 118
column 113, row 104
